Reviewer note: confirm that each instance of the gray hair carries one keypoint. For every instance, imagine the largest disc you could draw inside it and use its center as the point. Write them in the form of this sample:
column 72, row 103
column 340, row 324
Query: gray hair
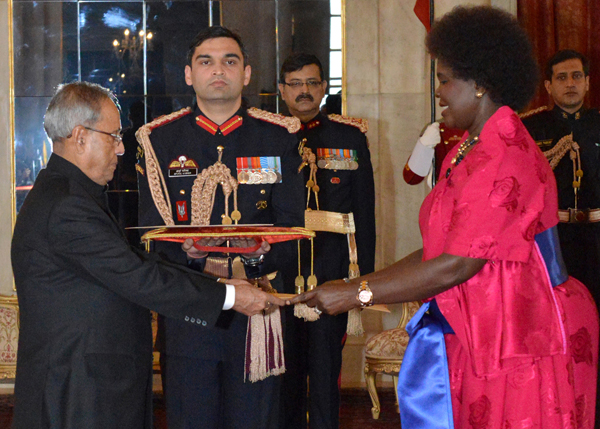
column 73, row 104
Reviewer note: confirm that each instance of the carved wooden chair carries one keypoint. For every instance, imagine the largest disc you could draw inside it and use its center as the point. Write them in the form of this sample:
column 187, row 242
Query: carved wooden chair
column 9, row 336
column 384, row 353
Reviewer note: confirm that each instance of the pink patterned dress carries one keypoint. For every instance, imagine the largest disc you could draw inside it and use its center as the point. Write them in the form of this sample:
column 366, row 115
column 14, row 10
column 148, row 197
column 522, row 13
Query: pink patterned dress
column 523, row 354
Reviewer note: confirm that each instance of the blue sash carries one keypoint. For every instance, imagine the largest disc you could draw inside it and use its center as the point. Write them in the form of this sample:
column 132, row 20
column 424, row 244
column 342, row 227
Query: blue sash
column 549, row 246
column 424, row 383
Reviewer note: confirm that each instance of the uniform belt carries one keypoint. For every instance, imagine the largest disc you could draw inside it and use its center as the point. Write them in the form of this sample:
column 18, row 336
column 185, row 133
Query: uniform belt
column 579, row 216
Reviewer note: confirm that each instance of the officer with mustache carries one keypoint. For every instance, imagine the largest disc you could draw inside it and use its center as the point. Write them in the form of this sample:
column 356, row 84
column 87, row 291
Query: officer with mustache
column 339, row 179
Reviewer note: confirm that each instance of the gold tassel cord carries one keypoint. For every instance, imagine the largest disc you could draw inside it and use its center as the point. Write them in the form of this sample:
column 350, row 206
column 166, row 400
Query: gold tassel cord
column 554, row 155
column 299, row 282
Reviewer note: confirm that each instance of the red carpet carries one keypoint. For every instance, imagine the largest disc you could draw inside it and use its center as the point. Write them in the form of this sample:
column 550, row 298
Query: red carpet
column 355, row 410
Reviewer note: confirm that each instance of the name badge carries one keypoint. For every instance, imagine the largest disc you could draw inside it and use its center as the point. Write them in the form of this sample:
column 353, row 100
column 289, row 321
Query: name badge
column 183, row 167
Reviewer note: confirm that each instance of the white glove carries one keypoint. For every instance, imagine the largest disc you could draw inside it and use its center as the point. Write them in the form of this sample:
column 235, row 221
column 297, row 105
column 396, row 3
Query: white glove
column 422, row 155
column 431, row 137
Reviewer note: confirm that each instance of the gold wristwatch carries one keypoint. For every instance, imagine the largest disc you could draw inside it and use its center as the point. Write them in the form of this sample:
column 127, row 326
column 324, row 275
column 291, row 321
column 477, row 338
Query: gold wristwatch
column 365, row 296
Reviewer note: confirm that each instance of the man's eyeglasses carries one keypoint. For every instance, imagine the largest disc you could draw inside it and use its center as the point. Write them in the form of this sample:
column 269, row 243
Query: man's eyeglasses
column 311, row 84
column 117, row 137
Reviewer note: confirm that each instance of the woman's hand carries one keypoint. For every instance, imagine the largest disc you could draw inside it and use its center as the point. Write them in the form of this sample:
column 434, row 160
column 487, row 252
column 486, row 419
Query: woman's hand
column 333, row 297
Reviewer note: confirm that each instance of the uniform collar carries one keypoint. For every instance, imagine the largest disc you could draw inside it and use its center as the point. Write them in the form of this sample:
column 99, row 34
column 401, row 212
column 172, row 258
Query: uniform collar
column 569, row 116
column 225, row 128
column 313, row 123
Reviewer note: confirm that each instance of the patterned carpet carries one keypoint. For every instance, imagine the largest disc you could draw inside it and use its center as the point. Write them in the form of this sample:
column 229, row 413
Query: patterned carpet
column 355, row 410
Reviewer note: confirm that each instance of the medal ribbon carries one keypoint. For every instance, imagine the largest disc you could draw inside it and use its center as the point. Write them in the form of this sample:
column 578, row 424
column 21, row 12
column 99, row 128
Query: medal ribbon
column 264, row 163
column 342, row 154
column 241, row 165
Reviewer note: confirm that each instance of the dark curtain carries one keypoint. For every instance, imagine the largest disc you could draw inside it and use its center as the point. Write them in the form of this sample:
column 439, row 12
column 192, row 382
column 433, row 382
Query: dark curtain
column 563, row 24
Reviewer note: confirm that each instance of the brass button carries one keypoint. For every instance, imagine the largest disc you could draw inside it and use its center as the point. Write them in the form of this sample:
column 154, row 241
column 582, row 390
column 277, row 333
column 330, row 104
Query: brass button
column 182, row 192
column 261, row 205
column 262, row 191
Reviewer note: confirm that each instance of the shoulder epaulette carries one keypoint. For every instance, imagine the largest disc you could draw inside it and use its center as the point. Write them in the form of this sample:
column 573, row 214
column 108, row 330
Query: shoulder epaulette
column 291, row 123
column 361, row 124
column 165, row 119
column 532, row 112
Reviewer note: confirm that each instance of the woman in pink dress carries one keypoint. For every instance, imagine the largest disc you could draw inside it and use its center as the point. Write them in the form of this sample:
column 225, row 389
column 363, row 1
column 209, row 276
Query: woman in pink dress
column 505, row 338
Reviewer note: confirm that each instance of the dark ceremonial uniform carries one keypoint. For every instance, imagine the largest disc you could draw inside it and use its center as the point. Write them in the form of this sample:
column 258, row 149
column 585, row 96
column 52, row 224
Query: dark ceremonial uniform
column 315, row 348
column 579, row 232
column 204, row 370
column 450, row 137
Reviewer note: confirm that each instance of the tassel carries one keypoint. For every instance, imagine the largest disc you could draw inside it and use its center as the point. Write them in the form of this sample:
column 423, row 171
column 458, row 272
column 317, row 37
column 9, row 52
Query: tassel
column 264, row 346
column 303, row 311
column 354, row 326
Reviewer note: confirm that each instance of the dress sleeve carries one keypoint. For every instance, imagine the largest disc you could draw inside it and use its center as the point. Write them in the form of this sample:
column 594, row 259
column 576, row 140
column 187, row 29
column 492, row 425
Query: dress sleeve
column 500, row 196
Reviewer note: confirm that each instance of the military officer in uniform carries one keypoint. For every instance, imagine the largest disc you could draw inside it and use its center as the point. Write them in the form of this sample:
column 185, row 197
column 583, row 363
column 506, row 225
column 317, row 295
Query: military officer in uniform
column 569, row 136
column 578, row 179
column 203, row 371
column 345, row 185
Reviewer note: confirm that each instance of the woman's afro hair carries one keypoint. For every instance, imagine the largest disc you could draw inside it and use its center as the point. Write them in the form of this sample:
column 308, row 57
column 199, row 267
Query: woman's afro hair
column 489, row 46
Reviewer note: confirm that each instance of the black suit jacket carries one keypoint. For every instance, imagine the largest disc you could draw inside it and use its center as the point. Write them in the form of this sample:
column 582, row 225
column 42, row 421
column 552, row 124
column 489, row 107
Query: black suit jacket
column 85, row 340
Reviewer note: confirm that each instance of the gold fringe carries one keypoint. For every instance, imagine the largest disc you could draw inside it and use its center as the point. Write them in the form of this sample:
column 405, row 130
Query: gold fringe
column 355, row 326
column 303, row 311
column 260, row 326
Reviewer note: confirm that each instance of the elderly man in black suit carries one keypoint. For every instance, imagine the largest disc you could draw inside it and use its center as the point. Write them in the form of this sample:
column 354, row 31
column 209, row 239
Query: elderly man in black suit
column 85, row 346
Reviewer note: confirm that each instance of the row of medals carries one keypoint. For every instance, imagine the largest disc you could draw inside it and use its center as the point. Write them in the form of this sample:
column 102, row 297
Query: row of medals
column 337, row 164
column 259, row 177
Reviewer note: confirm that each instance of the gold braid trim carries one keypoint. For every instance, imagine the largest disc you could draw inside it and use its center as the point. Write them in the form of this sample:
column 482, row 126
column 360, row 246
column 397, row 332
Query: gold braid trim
column 559, row 150
column 205, row 188
column 309, row 158
column 291, row 123
column 156, row 180
column 532, row 112
column 361, row 124
column 554, row 155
